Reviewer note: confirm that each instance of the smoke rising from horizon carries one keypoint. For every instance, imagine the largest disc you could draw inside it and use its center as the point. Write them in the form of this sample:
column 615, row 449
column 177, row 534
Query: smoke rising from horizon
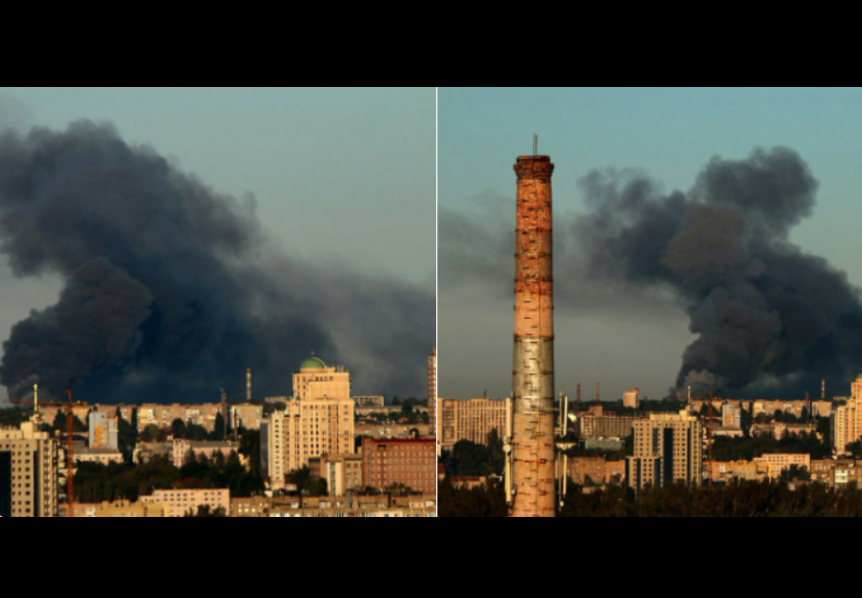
column 172, row 289
column 769, row 318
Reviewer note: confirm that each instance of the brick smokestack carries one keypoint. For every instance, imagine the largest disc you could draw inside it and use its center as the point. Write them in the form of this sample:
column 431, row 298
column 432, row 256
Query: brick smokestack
column 533, row 373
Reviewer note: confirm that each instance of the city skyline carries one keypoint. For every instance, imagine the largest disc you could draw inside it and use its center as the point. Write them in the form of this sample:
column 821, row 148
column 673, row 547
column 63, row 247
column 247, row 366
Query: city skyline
column 621, row 337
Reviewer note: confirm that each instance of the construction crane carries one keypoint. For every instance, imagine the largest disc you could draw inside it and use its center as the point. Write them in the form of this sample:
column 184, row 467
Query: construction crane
column 69, row 404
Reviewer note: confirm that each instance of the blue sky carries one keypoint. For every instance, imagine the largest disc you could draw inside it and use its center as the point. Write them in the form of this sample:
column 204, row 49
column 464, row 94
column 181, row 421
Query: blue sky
column 670, row 133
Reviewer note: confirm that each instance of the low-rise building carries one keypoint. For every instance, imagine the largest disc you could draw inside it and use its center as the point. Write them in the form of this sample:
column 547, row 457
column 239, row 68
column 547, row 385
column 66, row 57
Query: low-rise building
column 103, row 456
column 121, row 508
column 778, row 429
column 382, row 506
column 182, row 448
column 182, row 502
column 370, row 401
column 597, row 423
column 246, row 416
column 727, row 471
column 145, row 451
column 342, row 472
column 394, row 430
column 595, row 470
column 778, row 463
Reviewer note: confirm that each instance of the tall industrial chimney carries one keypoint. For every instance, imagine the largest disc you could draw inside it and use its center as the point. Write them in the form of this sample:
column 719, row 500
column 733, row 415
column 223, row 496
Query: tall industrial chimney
column 533, row 373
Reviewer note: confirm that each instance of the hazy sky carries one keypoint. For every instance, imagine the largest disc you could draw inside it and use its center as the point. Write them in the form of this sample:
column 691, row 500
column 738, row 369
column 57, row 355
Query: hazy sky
column 670, row 133
column 341, row 176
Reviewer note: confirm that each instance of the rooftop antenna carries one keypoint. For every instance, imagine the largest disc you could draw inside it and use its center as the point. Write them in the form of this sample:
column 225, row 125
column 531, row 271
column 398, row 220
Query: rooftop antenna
column 36, row 398
column 535, row 145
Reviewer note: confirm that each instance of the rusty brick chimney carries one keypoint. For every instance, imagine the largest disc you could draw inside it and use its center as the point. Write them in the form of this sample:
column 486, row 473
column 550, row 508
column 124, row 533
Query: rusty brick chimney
column 533, row 374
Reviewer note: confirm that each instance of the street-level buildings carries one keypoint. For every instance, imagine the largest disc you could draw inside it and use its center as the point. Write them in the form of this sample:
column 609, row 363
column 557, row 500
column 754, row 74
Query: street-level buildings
column 360, row 506
column 182, row 502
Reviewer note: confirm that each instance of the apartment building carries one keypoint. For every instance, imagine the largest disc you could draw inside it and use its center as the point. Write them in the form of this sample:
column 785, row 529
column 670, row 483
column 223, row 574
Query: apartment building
column 597, row 423
column 182, row 448
column 779, row 463
column 318, row 421
column 470, row 420
column 668, row 449
column 632, row 399
column 847, row 420
column 103, row 431
column 342, row 473
column 411, row 463
column 181, row 502
column 29, row 472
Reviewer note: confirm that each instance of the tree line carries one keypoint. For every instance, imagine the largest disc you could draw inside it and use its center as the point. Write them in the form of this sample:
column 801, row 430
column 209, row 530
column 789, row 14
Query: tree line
column 738, row 499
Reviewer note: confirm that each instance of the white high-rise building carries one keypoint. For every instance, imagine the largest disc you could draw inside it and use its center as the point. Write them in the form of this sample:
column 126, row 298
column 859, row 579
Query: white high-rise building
column 847, row 420
column 317, row 421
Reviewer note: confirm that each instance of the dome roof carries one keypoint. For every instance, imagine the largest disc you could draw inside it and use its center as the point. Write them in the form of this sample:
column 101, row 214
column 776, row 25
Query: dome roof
column 312, row 363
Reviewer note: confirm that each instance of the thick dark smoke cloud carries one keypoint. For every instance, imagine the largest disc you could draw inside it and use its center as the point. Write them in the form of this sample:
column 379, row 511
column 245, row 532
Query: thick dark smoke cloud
column 769, row 318
column 172, row 289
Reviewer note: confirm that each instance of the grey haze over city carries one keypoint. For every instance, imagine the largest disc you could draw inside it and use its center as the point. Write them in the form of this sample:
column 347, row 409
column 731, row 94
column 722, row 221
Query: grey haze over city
column 155, row 243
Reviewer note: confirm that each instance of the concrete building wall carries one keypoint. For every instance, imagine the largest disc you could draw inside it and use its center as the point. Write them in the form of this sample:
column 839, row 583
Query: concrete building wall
column 432, row 392
column 180, row 502
column 29, row 472
column 103, row 431
column 668, row 449
column 632, row 399
column 412, row 463
column 470, row 420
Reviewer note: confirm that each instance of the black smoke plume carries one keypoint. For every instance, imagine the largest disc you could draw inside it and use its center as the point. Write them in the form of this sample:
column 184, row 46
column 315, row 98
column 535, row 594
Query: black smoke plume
column 172, row 289
column 770, row 318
